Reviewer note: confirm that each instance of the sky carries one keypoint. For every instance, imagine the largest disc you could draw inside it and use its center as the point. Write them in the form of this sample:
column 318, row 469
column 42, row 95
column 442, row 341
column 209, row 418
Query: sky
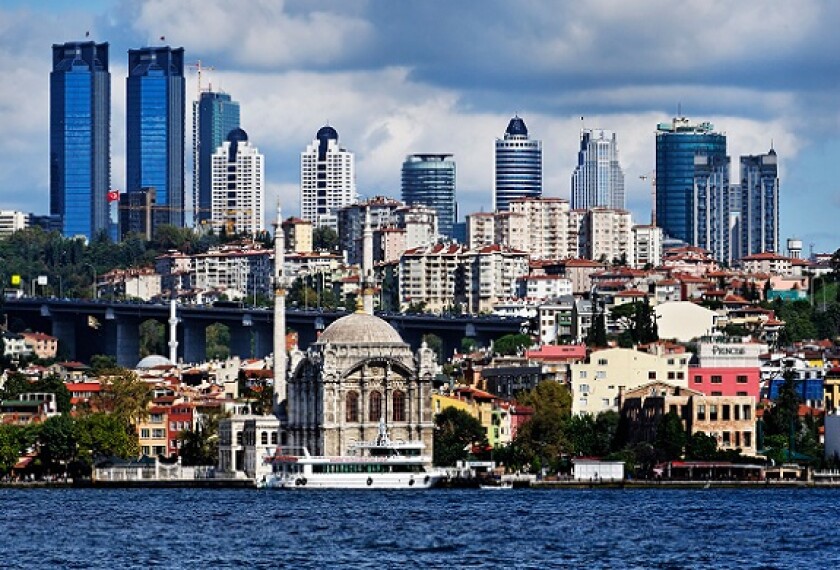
column 445, row 76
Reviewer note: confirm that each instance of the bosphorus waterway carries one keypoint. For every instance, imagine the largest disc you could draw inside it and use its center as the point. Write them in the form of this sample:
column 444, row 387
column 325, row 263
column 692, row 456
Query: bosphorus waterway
column 597, row 528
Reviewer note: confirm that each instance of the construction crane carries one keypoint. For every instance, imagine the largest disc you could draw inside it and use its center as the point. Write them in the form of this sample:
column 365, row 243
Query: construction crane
column 199, row 68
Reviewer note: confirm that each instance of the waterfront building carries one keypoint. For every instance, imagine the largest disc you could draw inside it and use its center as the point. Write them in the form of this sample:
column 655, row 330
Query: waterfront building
column 759, row 204
column 429, row 179
column 598, row 180
column 517, row 166
column 155, row 109
column 677, row 145
column 238, row 187
column 80, row 137
column 215, row 115
column 727, row 367
column 327, row 179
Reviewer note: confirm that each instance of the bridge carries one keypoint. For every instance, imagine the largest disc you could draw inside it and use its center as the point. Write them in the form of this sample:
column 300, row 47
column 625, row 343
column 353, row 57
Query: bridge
column 85, row 328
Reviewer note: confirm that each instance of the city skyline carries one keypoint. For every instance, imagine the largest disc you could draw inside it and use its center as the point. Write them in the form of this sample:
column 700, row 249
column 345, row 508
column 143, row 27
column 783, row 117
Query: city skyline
column 392, row 91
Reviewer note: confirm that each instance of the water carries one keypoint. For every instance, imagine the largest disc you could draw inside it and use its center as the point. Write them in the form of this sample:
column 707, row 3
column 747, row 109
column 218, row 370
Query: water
column 196, row 528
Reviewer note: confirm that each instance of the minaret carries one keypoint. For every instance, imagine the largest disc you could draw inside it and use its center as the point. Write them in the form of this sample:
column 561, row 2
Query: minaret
column 173, row 332
column 367, row 281
column 279, row 318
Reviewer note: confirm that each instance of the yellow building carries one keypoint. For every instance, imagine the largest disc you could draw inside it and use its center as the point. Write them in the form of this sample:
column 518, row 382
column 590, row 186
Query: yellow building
column 597, row 381
column 482, row 406
column 831, row 389
column 151, row 433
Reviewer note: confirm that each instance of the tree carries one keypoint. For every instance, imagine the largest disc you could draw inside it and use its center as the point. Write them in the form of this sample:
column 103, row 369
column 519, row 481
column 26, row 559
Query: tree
column 57, row 443
column 543, row 437
column 670, row 437
column 217, row 342
column 200, row 445
column 456, row 433
column 324, row 238
column 701, row 447
column 125, row 396
column 435, row 343
column 511, row 344
column 152, row 338
column 101, row 364
column 11, row 447
column 468, row 345
column 597, row 335
column 102, row 435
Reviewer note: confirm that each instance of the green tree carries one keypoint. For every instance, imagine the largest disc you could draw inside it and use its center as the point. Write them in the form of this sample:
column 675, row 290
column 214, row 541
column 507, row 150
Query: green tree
column 101, row 364
column 11, row 447
column 543, row 437
column 102, row 435
column 435, row 343
column 324, row 238
column 57, row 443
column 217, row 342
column 200, row 445
column 468, row 345
column 456, row 432
column 511, row 344
column 670, row 437
column 125, row 396
column 701, row 447
column 152, row 338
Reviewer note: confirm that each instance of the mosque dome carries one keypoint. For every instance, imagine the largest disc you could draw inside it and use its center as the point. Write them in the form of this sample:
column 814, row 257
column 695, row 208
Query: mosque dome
column 360, row 328
column 153, row 361
column 516, row 127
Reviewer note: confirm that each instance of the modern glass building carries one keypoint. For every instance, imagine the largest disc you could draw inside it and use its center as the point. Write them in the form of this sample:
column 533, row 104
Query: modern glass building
column 712, row 222
column 677, row 143
column 429, row 179
column 518, row 166
column 597, row 180
column 759, row 204
column 215, row 115
column 80, row 137
column 155, row 93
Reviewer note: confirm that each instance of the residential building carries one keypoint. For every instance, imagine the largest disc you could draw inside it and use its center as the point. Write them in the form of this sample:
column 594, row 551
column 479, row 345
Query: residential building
column 598, row 180
column 684, row 321
column 155, row 109
column 238, row 187
column 351, row 223
column 535, row 287
column 297, row 235
column 677, row 145
column 215, row 115
column 607, row 235
column 80, row 137
column 517, row 165
column 239, row 272
column 546, row 222
column 429, row 179
column 40, row 344
column 556, row 319
column 132, row 283
column 727, row 367
column 12, row 221
column 152, row 434
column 481, row 229
column 327, row 179
column 759, row 204
column 647, row 246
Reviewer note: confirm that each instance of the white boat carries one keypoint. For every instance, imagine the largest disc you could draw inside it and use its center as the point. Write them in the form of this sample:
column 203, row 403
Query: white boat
column 380, row 464
column 497, row 486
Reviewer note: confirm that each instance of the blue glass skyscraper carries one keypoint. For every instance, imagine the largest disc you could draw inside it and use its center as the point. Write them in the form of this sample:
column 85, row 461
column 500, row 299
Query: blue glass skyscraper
column 429, row 179
column 155, row 99
column 80, row 137
column 215, row 116
column 677, row 143
column 759, row 204
column 518, row 162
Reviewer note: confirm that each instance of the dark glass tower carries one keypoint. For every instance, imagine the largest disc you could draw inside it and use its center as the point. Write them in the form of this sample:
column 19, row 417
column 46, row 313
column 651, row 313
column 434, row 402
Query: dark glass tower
column 677, row 143
column 518, row 166
column 429, row 179
column 80, row 137
column 215, row 116
column 155, row 93
column 759, row 203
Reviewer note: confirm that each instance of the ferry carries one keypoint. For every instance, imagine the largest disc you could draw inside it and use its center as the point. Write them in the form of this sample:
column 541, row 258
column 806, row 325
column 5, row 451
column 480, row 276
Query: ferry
column 379, row 464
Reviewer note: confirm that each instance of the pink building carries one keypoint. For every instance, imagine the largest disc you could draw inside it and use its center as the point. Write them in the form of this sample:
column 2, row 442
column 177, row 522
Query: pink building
column 725, row 381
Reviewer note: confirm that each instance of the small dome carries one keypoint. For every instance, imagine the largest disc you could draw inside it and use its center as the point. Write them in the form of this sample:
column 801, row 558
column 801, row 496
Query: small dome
column 516, row 127
column 327, row 132
column 153, row 361
column 360, row 328
column 237, row 135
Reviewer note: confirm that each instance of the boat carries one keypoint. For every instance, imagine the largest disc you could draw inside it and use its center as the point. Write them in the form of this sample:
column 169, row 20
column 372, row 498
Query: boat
column 379, row 464
column 496, row 486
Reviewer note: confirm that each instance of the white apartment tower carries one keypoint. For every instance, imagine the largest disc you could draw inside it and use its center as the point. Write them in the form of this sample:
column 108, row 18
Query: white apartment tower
column 598, row 180
column 327, row 179
column 238, row 186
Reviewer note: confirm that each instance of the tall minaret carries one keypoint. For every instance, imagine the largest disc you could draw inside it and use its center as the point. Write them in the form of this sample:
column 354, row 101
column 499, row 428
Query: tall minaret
column 367, row 280
column 279, row 318
column 173, row 331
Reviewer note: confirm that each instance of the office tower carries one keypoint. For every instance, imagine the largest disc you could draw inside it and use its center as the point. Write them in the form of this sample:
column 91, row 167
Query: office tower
column 518, row 166
column 598, row 180
column 80, row 137
column 677, row 143
column 138, row 213
column 215, row 115
column 237, row 201
column 712, row 207
column 429, row 179
column 759, row 204
column 327, row 179
column 155, row 99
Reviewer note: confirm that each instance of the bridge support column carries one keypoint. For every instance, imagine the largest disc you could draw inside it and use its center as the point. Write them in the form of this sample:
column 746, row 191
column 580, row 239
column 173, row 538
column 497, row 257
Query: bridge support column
column 193, row 341
column 127, row 349
column 241, row 341
column 64, row 329
column 263, row 340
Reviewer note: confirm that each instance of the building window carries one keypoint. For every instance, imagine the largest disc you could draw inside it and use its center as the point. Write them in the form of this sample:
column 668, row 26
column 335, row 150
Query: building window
column 264, row 438
column 701, row 412
column 725, row 412
column 351, row 404
column 374, row 407
column 671, row 376
column 274, row 438
column 747, row 412
column 144, row 433
column 698, row 379
column 652, row 375
column 601, row 374
column 747, row 439
column 398, row 413
column 742, row 379
column 741, row 394
column 727, row 439
column 602, row 362
column 716, row 393
column 717, row 379
column 713, row 415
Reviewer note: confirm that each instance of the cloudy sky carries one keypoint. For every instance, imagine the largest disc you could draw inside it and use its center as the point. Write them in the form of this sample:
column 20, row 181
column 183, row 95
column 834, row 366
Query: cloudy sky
column 398, row 77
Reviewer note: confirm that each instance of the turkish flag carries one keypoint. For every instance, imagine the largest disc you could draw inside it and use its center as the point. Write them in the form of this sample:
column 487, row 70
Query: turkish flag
column 114, row 196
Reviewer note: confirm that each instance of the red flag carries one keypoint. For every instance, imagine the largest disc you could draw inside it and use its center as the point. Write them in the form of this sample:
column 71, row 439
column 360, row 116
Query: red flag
column 113, row 196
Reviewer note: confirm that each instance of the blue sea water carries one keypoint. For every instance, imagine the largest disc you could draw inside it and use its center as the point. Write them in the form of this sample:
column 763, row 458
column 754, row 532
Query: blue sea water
column 206, row 528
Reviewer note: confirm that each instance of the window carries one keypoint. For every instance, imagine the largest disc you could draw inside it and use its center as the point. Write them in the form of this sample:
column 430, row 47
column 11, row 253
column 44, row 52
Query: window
column 584, row 388
column 726, row 439
column 741, row 394
column 717, row 393
column 747, row 439
column 713, row 413
column 158, row 433
column 398, row 413
column 725, row 412
column 701, row 412
column 602, row 362
column 670, row 362
column 680, row 375
column 264, row 438
column 582, row 374
column 742, row 379
column 671, row 375
column 144, row 433
column 747, row 412
column 605, row 402
column 698, row 379
column 601, row 374
column 374, row 407
column 274, row 438
column 652, row 375
column 583, row 402
column 351, row 404
column 717, row 379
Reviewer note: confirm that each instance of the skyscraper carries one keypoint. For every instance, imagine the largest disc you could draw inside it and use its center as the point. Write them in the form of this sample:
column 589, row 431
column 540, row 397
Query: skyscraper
column 327, row 179
column 80, row 137
column 759, row 204
column 713, row 206
column 429, row 179
column 215, row 115
column 677, row 143
column 518, row 166
column 155, row 108
column 238, row 193
column 598, row 180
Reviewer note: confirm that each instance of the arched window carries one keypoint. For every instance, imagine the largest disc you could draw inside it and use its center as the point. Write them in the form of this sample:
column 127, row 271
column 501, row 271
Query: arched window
column 351, row 404
column 374, row 407
column 264, row 438
column 398, row 406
